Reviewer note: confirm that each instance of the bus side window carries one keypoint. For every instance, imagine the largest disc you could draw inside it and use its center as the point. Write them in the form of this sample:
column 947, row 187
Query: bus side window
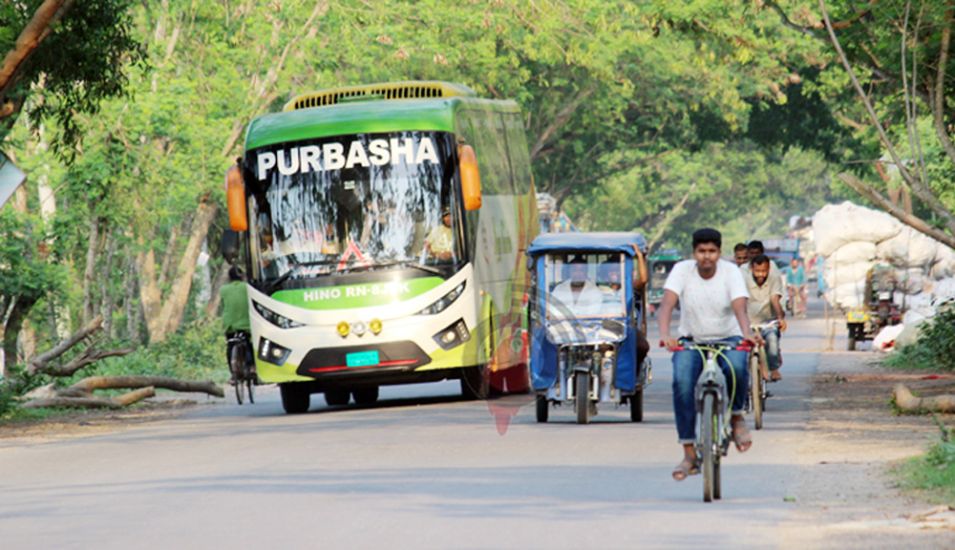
column 488, row 140
column 517, row 151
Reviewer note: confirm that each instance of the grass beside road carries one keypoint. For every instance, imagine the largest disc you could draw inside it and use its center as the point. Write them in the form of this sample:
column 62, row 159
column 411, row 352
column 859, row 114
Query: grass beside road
column 932, row 475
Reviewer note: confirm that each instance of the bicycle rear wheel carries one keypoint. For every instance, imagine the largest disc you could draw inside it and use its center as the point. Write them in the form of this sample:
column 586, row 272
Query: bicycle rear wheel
column 237, row 364
column 756, row 389
column 709, row 419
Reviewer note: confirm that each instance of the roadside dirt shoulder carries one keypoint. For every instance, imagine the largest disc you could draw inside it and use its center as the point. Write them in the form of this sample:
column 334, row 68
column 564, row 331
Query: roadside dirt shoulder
column 846, row 495
column 83, row 423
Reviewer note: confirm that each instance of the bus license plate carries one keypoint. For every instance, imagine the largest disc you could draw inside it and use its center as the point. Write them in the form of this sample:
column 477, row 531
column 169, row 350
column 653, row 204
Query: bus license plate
column 362, row 358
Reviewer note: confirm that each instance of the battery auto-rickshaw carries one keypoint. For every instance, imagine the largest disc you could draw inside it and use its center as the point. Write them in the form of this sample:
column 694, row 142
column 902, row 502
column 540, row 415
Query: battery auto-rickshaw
column 587, row 305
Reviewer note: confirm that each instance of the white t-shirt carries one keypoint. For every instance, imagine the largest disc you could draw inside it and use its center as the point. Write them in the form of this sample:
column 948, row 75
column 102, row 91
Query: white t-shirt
column 586, row 302
column 706, row 310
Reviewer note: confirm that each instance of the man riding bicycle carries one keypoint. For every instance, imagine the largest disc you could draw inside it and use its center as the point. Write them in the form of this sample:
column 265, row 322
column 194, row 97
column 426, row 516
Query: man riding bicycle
column 765, row 295
column 235, row 310
column 712, row 296
column 796, row 286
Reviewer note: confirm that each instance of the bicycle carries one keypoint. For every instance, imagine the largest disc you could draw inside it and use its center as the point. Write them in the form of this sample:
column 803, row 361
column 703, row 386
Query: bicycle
column 712, row 403
column 758, row 369
column 242, row 366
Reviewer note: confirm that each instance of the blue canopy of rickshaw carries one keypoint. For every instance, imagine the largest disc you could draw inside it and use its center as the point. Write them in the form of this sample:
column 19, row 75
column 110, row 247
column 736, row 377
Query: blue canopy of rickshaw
column 606, row 241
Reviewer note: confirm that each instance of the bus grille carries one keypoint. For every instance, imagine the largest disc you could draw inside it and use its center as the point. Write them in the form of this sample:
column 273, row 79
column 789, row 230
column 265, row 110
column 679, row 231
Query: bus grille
column 387, row 91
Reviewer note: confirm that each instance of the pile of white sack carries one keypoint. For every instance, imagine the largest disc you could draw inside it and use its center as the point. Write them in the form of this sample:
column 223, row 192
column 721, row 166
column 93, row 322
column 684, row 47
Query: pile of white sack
column 853, row 239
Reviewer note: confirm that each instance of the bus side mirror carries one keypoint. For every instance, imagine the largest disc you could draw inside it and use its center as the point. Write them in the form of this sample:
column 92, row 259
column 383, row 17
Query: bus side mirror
column 470, row 177
column 235, row 199
column 229, row 247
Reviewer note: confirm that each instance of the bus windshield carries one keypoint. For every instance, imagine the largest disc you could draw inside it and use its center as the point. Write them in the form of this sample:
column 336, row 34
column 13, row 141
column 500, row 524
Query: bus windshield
column 353, row 203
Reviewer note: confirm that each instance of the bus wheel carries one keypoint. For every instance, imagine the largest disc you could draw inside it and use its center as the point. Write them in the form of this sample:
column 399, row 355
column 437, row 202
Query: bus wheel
column 518, row 379
column 475, row 383
column 337, row 397
column 295, row 399
column 366, row 396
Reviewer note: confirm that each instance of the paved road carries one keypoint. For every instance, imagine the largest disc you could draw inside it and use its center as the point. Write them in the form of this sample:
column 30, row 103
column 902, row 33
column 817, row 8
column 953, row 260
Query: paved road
column 423, row 469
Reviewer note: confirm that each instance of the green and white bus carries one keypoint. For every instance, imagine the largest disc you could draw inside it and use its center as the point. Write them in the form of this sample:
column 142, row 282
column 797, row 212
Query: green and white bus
column 384, row 229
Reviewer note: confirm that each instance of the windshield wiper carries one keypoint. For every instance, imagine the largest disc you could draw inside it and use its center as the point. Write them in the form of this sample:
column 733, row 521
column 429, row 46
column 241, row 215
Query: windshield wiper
column 402, row 263
column 274, row 285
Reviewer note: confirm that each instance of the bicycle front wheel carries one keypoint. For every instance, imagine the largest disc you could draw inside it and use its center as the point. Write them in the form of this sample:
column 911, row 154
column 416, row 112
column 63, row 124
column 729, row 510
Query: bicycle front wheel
column 709, row 427
column 756, row 389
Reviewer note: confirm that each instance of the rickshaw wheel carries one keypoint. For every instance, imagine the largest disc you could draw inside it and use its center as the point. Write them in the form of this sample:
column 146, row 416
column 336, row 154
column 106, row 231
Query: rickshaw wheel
column 543, row 408
column 582, row 397
column 636, row 406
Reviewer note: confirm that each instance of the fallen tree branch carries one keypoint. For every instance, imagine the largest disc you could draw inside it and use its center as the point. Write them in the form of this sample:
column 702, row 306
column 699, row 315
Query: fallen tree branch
column 900, row 214
column 909, row 403
column 93, row 402
column 39, row 362
column 88, row 357
column 89, row 384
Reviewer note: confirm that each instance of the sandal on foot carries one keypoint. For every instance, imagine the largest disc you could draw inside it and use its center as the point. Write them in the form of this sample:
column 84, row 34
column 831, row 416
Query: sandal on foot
column 742, row 437
column 775, row 376
column 685, row 469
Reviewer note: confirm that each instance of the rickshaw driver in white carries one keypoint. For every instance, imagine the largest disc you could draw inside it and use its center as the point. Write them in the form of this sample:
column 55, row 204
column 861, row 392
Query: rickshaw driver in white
column 578, row 294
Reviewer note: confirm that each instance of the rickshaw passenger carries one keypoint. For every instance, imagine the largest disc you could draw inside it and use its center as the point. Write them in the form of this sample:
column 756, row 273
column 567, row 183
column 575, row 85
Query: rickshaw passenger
column 577, row 293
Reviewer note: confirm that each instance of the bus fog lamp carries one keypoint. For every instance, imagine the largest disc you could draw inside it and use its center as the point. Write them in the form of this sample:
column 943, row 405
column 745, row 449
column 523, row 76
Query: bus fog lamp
column 453, row 335
column 273, row 353
column 359, row 328
column 375, row 326
column 343, row 329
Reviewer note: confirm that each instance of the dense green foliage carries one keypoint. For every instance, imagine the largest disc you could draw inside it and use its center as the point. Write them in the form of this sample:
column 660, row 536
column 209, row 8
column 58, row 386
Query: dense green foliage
column 656, row 116
column 935, row 347
column 83, row 61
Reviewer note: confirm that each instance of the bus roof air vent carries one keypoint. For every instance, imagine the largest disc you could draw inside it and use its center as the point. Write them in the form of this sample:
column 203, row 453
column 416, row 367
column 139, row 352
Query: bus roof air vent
column 370, row 92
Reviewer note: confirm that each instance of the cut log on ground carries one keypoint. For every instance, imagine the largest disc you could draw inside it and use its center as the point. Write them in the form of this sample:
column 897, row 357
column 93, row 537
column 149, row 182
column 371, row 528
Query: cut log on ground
column 90, row 402
column 89, row 384
column 909, row 403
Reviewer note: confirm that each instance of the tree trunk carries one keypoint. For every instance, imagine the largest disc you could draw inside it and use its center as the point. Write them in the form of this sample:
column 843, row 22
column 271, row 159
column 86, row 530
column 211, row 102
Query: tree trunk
column 93, row 402
column 203, row 278
column 175, row 304
column 131, row 302
column 29, row 39
column 222, row 277
column 907, row 402
column 27, row 346
column 89, row 274
column 89, row 384
column 106, row 294
column 11, row 329
column 149, row 294
column 171, row 251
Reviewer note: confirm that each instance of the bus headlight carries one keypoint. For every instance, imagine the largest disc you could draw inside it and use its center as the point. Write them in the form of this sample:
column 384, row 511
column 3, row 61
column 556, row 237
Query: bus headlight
column 274, row 318
column 445, row 301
